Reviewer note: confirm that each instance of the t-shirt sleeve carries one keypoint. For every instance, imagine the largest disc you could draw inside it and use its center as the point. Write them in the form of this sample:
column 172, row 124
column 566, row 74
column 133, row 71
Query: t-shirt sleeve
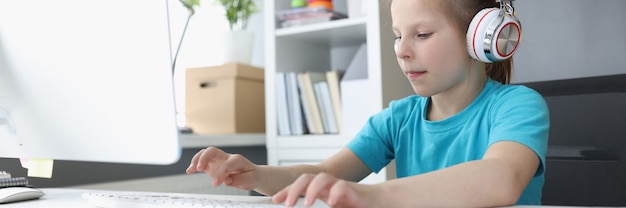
column 373, row 143
column 521, row 115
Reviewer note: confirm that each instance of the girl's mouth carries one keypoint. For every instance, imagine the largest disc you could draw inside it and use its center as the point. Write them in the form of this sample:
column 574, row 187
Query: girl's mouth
column 415, row 74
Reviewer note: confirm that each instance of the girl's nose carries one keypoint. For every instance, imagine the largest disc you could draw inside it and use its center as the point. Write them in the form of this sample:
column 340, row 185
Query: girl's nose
column 402, row 51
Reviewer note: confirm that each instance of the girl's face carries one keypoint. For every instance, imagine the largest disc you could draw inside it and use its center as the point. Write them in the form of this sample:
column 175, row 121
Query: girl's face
column 430, row 51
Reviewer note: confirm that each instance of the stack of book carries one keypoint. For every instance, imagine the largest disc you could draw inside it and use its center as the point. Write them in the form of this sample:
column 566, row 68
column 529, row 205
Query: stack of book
column 308, row 102
column 7, row 181
column 305, row 15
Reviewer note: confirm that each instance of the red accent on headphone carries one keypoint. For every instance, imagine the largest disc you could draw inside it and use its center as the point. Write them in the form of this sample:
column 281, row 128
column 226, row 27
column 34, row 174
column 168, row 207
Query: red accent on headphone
column 519, row 34
column 476, row 30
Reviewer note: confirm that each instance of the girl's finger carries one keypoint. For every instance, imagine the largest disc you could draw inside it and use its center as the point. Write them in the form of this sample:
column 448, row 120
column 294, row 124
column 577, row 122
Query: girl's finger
column 234, row 164
column 318, row 188
column 297, row 188
column 194, row 162
column 208, row 155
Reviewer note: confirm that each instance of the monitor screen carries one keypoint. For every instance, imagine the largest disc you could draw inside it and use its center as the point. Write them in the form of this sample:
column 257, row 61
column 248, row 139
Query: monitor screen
column 87, row 81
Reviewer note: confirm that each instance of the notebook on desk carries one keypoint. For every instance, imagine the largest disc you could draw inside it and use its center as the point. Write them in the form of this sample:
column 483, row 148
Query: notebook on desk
column 155, row 199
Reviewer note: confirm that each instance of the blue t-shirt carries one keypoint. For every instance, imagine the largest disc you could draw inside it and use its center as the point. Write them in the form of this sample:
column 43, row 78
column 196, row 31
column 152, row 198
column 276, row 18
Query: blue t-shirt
column 499, row 113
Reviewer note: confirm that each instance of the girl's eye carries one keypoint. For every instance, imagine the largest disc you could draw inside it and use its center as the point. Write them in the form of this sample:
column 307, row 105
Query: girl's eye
column 424, row 35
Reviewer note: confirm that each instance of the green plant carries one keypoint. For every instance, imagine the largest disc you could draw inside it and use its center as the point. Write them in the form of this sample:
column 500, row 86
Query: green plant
column 238, row 12
column 190, row 4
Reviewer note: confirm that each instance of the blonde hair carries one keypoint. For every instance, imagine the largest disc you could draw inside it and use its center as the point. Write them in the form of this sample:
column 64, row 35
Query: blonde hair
column 460, row 13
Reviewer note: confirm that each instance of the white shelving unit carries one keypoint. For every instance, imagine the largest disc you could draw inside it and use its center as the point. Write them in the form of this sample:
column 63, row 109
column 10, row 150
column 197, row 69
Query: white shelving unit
column 322, row 47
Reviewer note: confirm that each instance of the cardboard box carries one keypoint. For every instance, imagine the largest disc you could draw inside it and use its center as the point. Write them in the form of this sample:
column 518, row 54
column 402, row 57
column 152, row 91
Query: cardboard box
column 228, row 98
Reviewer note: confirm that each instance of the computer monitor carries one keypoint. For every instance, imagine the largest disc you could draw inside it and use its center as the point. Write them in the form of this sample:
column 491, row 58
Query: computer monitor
column 87, row 81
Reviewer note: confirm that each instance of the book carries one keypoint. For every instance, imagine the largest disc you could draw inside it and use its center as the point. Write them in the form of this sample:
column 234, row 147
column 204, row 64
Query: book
column 304, row 16
column 282, row 115
column 13, row 182
column 312, row 109
column 306, row 21
column 307, row 111
column 306, row 12
column 294, row 108
column 326, row 107
column 333, row 77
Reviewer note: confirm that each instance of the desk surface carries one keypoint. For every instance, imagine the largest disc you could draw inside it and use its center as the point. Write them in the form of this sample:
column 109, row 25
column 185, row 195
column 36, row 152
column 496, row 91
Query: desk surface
column 55, row 198
column 70, row 198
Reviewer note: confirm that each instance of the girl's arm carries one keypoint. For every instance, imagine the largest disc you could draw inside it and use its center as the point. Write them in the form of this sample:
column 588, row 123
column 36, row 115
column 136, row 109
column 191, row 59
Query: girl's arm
column 498, row 179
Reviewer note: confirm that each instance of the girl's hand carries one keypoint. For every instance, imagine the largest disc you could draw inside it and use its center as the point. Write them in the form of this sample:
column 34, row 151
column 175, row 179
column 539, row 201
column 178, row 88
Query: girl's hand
column 333, row 191
column 231, row 169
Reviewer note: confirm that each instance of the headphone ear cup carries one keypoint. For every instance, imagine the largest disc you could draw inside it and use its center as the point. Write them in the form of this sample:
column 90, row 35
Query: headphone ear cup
column 477, row 31
column 506, row 38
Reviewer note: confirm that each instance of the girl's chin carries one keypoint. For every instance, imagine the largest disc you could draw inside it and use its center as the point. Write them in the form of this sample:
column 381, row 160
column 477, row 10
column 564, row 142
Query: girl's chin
column 423, row 88
column 421, row 91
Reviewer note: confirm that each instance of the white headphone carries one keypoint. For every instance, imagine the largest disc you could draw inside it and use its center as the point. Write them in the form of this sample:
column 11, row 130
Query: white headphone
column 494, row 33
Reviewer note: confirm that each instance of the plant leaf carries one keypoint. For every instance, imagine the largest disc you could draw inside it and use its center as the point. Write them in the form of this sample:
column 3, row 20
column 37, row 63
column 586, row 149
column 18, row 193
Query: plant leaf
column 238, row 12
column 190, row 4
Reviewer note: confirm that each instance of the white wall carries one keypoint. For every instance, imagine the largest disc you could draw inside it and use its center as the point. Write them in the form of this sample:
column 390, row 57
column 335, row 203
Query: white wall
column 202, row 45
column 570, row 39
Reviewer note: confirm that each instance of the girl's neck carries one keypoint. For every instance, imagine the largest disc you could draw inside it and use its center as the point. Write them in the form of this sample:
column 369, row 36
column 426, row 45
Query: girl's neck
column 458, row 97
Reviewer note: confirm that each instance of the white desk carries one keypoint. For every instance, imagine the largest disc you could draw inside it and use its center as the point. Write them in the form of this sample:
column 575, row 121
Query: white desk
column 54, row 198
column 71, row 198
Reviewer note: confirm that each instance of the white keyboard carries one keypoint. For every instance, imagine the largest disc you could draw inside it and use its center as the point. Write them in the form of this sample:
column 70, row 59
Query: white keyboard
column 161, row 200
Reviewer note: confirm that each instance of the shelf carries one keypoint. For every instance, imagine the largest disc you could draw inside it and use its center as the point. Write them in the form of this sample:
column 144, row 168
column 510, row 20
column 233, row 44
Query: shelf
column 324, row 46
column 311, row 141
column 221, row 140
column 343, row 32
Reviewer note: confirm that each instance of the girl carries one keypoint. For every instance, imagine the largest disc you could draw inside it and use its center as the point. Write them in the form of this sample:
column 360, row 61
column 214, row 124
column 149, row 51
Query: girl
column 466, row 139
